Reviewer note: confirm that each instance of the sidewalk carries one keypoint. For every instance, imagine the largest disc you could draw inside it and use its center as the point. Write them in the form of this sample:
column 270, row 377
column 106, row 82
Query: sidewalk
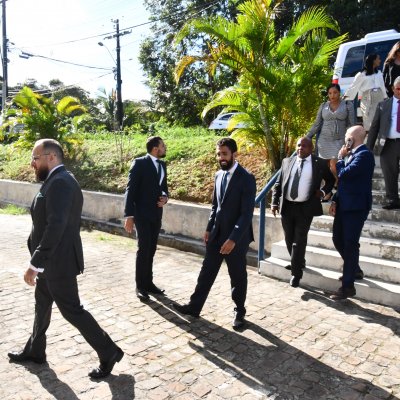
column 298, row 344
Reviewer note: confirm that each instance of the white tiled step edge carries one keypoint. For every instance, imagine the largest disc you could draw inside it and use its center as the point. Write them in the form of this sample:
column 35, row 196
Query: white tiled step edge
column 372, row 290
column 376, row 268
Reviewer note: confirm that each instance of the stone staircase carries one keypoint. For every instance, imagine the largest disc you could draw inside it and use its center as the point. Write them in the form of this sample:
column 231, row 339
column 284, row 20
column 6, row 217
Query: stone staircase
column 379, row 254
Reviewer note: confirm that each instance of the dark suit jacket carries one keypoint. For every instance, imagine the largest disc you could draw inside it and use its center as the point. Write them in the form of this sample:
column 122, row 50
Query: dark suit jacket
column 355, row 181
column 55, row 242
column 380, row 125
column 234, row 219
column 320, row 171
column 143, row 190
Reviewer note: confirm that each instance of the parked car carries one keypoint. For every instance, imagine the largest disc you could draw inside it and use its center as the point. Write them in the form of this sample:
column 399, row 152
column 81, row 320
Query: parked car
column 351, row 55
column 221, row 122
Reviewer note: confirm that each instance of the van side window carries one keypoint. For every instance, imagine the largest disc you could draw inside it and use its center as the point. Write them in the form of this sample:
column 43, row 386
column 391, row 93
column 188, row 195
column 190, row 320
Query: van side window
column 381, row 48
column 353, row 62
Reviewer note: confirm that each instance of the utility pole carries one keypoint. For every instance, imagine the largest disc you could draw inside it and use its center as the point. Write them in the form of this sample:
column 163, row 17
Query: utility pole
column 5, row 59
column 120, row 111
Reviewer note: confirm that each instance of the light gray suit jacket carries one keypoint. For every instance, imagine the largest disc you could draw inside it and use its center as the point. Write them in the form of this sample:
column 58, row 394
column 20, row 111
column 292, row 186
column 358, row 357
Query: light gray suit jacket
column 381, row 123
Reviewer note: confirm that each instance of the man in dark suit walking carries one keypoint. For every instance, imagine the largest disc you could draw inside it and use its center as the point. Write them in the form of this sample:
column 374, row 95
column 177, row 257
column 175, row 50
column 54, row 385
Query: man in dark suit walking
column 386, row 128
column 146, row 195
column 57, row 258
column 351, row 205
column 297, row 195
column 228, row 234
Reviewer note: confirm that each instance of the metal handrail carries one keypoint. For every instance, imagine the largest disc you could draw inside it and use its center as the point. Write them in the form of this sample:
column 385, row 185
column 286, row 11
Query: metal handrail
column 261, row 200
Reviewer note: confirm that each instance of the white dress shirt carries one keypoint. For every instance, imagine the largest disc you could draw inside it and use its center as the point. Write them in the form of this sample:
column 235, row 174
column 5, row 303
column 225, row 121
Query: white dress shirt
column 219, row 181
column 393, row 134
column 305, row 180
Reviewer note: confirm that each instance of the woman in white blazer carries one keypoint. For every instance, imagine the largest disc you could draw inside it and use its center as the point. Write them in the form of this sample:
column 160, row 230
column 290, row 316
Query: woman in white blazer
column 370, row 86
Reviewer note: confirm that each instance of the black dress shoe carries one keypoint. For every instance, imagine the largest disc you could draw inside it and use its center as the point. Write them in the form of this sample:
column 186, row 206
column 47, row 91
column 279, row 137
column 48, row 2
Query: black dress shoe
column 105, row 367
column 358, row 276
column 185, row 309
column 288, row 267
column 142, row 294
column 153, row 289
column 294, row 281
column 391, row 206
column 238, row 319
column 23, row 357
column 343, row 293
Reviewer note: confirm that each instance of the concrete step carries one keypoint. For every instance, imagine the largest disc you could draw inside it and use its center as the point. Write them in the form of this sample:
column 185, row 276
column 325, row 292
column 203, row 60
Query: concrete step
column 369, row 246
column 372, row 290
column 378, row 229
column 376, row 268
column 376, row 214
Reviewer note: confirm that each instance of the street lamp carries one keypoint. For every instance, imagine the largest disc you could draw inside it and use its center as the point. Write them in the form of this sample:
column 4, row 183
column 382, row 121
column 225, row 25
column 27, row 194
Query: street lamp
column 109, row 52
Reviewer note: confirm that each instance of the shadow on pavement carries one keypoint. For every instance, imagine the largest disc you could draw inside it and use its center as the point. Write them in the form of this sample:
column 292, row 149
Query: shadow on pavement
column 267, row 364
column 49, row 380
column 122, row 387
column 350, row 307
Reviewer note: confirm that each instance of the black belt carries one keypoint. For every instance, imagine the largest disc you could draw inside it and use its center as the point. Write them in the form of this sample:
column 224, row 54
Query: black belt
column 394, row 140
column 296, row 202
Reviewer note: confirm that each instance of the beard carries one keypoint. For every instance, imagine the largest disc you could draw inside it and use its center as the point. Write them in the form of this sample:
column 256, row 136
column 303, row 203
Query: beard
column 42, row 174
column 226, row 165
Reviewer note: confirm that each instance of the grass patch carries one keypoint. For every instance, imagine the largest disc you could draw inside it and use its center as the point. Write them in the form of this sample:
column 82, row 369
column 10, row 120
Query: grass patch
column 11, row 209
column 103, row 162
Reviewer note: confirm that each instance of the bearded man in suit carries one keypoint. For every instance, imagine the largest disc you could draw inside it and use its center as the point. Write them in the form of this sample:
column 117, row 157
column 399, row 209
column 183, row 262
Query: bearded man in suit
column 57, row 258
column 228, row 234
column 297, row 195
column 146, row 195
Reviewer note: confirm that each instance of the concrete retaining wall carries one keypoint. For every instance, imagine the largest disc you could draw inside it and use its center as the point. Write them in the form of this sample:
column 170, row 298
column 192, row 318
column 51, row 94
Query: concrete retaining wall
column 180, row 219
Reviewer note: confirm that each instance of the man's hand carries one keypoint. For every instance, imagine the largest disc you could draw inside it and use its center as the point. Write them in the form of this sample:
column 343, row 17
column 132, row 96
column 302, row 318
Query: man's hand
column 332, row 209
column 206, row 236
column 274, row 209
column 227, row 247
column 343, row 152
column 30, row 277
column 129, row 224
column 162, row 200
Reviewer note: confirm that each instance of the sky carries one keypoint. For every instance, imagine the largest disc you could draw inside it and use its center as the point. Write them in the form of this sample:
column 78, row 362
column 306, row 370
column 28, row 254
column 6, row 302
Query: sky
column 70, row 31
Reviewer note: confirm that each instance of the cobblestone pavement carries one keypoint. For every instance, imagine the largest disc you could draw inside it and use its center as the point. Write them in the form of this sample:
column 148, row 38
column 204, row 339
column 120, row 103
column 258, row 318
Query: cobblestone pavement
column 298, row 344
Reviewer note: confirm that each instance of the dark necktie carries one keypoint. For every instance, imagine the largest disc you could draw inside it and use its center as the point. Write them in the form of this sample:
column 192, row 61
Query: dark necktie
column 223, row 185
column 294, row 191
column 159, row 171
column 398, row 116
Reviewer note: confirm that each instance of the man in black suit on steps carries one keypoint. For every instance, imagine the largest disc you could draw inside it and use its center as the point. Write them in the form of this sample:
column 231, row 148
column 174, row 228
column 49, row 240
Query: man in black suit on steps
column 146, row 195
column 57, row 258
column 228, row 234
column 297, row 196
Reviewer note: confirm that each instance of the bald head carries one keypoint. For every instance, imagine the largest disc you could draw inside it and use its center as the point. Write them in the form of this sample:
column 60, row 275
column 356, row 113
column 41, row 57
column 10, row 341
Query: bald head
column 356, row 134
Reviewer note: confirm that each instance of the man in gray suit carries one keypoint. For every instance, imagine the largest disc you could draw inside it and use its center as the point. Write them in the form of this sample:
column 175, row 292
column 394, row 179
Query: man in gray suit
column 386, row 128
column 57, row 258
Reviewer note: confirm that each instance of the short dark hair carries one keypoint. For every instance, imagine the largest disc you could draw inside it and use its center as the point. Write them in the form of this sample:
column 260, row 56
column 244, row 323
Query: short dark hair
column 228, row 142
column 152, row 141
column 53, row 146
column 333, row 85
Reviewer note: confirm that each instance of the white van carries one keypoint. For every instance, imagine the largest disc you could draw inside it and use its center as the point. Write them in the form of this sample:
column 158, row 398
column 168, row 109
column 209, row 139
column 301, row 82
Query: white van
column 351, row 55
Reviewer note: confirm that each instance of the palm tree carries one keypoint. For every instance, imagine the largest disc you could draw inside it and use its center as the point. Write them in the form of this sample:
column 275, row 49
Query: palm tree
column 279, row 78
column 43, row 118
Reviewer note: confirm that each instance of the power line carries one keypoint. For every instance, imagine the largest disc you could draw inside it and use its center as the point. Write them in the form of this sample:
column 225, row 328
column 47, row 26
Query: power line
column 26, row 55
